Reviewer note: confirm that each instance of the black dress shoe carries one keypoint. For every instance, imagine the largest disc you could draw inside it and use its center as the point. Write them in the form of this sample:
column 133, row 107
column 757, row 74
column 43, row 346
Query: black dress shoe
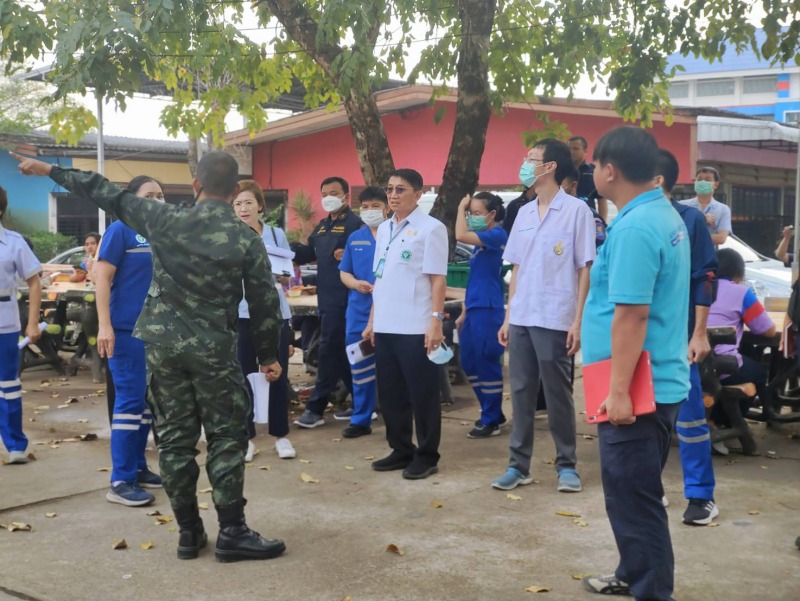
column 239, row 543
column 419, row 471
column 356, row 431
column 393, row 461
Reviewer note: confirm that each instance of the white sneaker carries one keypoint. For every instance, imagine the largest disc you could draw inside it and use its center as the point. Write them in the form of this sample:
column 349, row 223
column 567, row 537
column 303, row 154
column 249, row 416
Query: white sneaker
column 285, row 449
column 17, row 457
column 665, row 501
column 251, row 449
column 374, row 416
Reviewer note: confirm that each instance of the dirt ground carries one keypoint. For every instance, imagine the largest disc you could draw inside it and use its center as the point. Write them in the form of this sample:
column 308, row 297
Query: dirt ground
column 459, row 538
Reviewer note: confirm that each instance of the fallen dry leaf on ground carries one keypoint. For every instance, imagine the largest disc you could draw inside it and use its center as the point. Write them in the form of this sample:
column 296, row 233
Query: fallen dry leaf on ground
column 265, row 467
column 163, row 519
column 754, row 512
column 154, row 512
column 347, row 598
column 370, row 457
column 580, row 522
column 43, row 407
column 568, row 514
column 349, row 467
column 712, row 525
column 308, row 478
column 304, row 460
column 55, row 395
column 119, row 544
column 513, row 497
column 17, row 527
column 395, row 549
column 579, row 576
column 50, row 514
column 336, row 440
column 171, row 529
column 203, row 491
column 437, row 504
column 537, row 589
column 550, row 461
column 589, row 437
column 103, row 469
column 202, row 505
column 83, row 421
column 31, row 457
column 146, row 546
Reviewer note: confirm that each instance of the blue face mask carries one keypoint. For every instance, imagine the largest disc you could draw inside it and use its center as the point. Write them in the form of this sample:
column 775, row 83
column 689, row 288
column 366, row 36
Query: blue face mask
column 703, row 188
column 527, row 174
column 476, row 223
column 441, row 355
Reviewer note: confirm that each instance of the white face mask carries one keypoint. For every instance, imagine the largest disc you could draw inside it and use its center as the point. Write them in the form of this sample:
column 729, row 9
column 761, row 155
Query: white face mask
column 372, row 217
column 332, row 203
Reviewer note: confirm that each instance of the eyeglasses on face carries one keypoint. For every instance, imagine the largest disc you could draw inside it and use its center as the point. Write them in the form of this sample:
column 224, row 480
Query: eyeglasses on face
column 238, row 204
column 535, row 162
column 399, row 190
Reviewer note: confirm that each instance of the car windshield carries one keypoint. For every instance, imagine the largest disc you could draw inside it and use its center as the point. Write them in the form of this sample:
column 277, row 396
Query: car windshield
column 747, row 253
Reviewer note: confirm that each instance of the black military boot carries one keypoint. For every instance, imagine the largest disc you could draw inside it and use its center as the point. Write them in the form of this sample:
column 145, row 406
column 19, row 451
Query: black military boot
column 236, row 542
column 192, row 534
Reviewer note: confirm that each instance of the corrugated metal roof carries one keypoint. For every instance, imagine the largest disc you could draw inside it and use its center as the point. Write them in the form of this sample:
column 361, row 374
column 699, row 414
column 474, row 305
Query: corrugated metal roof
column 748, row 132
column 114, row 145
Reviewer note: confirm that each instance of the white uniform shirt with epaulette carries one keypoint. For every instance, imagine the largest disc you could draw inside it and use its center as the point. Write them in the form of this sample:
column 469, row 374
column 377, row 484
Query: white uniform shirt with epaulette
column 406, row 255
column 17, row 261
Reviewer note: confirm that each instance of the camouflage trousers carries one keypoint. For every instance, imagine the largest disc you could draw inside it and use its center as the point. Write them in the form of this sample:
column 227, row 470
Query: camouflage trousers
column 189, row 388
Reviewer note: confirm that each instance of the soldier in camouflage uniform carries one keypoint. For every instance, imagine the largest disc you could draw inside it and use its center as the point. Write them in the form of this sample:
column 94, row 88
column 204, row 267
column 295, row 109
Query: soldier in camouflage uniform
column 201, row 255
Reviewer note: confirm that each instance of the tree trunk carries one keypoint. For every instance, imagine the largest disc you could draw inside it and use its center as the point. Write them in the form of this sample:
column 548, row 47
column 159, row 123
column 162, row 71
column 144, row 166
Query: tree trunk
column 193, row 155
column 369, row 136
column 473, row 110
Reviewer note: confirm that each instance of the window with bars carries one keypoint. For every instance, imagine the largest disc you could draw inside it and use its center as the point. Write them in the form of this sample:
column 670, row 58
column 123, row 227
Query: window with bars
column 716, row 87
column 766, row 84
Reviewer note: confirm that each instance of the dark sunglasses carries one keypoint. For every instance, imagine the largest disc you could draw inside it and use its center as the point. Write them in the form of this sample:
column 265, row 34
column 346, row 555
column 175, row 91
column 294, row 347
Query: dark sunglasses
column 399, row 189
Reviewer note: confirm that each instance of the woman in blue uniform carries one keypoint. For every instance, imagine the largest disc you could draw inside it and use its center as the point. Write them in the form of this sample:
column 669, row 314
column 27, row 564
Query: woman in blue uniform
column 249, row 206
column 17, row 261
column 483, row 311
column 122, row 275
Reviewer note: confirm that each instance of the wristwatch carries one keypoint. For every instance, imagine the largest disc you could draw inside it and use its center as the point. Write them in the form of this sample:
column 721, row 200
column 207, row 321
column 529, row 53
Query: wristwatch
column 437, row 315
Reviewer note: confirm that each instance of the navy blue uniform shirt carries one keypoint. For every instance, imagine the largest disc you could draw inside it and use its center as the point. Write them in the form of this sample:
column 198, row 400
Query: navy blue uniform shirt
column 704, row 259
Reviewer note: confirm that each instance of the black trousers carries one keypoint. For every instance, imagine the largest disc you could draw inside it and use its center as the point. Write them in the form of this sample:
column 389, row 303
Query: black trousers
column 631, row 461
column 278, row 412
column 408, row 386
column 333, row 365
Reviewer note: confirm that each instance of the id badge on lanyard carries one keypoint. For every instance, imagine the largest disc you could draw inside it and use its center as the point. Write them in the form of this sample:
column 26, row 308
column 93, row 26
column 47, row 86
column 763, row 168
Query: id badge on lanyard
column 382, row 262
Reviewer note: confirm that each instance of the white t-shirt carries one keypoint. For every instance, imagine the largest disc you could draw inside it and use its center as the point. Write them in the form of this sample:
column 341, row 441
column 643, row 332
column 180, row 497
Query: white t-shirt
column 411, row 251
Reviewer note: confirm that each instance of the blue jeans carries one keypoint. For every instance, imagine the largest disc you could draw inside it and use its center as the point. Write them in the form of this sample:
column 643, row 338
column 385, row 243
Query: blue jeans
column 131, row 420
column 631, row 460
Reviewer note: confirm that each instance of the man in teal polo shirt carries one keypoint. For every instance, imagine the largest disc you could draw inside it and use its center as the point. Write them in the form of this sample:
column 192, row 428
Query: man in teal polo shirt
column 637, row 299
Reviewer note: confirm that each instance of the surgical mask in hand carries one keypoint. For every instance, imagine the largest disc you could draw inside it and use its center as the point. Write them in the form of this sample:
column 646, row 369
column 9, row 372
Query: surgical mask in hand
column 703, row 188
column 332, row 203
column 441, row 355
column 476, row 223
column 372, row 217
column 527, row 175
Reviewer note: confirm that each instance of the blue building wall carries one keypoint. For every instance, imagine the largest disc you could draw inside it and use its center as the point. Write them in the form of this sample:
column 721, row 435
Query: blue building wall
column 28, row 197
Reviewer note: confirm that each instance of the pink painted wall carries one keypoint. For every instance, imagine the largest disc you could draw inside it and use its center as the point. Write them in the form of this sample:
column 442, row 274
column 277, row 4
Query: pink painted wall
column 417, row 142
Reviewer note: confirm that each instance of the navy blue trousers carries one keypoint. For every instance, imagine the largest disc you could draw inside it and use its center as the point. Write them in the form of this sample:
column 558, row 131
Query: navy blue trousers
column 631, row 460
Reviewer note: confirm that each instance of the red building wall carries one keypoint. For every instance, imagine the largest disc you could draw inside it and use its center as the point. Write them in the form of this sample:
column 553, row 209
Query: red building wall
column 416, row 141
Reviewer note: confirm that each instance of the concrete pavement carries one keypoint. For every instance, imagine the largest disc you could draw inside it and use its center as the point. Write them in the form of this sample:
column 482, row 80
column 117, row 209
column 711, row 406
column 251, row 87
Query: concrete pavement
column 461, row 540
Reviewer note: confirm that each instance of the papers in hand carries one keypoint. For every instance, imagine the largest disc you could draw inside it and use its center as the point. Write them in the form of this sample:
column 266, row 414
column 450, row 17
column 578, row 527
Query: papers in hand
column 260, row 386
column 281, row 260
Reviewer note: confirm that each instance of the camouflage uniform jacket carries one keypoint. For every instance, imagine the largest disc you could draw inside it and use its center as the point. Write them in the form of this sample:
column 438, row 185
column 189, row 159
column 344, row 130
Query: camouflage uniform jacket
column 201, row 256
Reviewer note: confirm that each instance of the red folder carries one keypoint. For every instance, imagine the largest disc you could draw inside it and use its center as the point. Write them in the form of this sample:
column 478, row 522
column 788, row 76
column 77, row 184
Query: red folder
column 596, row 384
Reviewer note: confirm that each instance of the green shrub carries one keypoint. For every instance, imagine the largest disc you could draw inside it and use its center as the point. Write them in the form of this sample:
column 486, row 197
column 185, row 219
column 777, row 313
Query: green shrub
column 47, row 245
